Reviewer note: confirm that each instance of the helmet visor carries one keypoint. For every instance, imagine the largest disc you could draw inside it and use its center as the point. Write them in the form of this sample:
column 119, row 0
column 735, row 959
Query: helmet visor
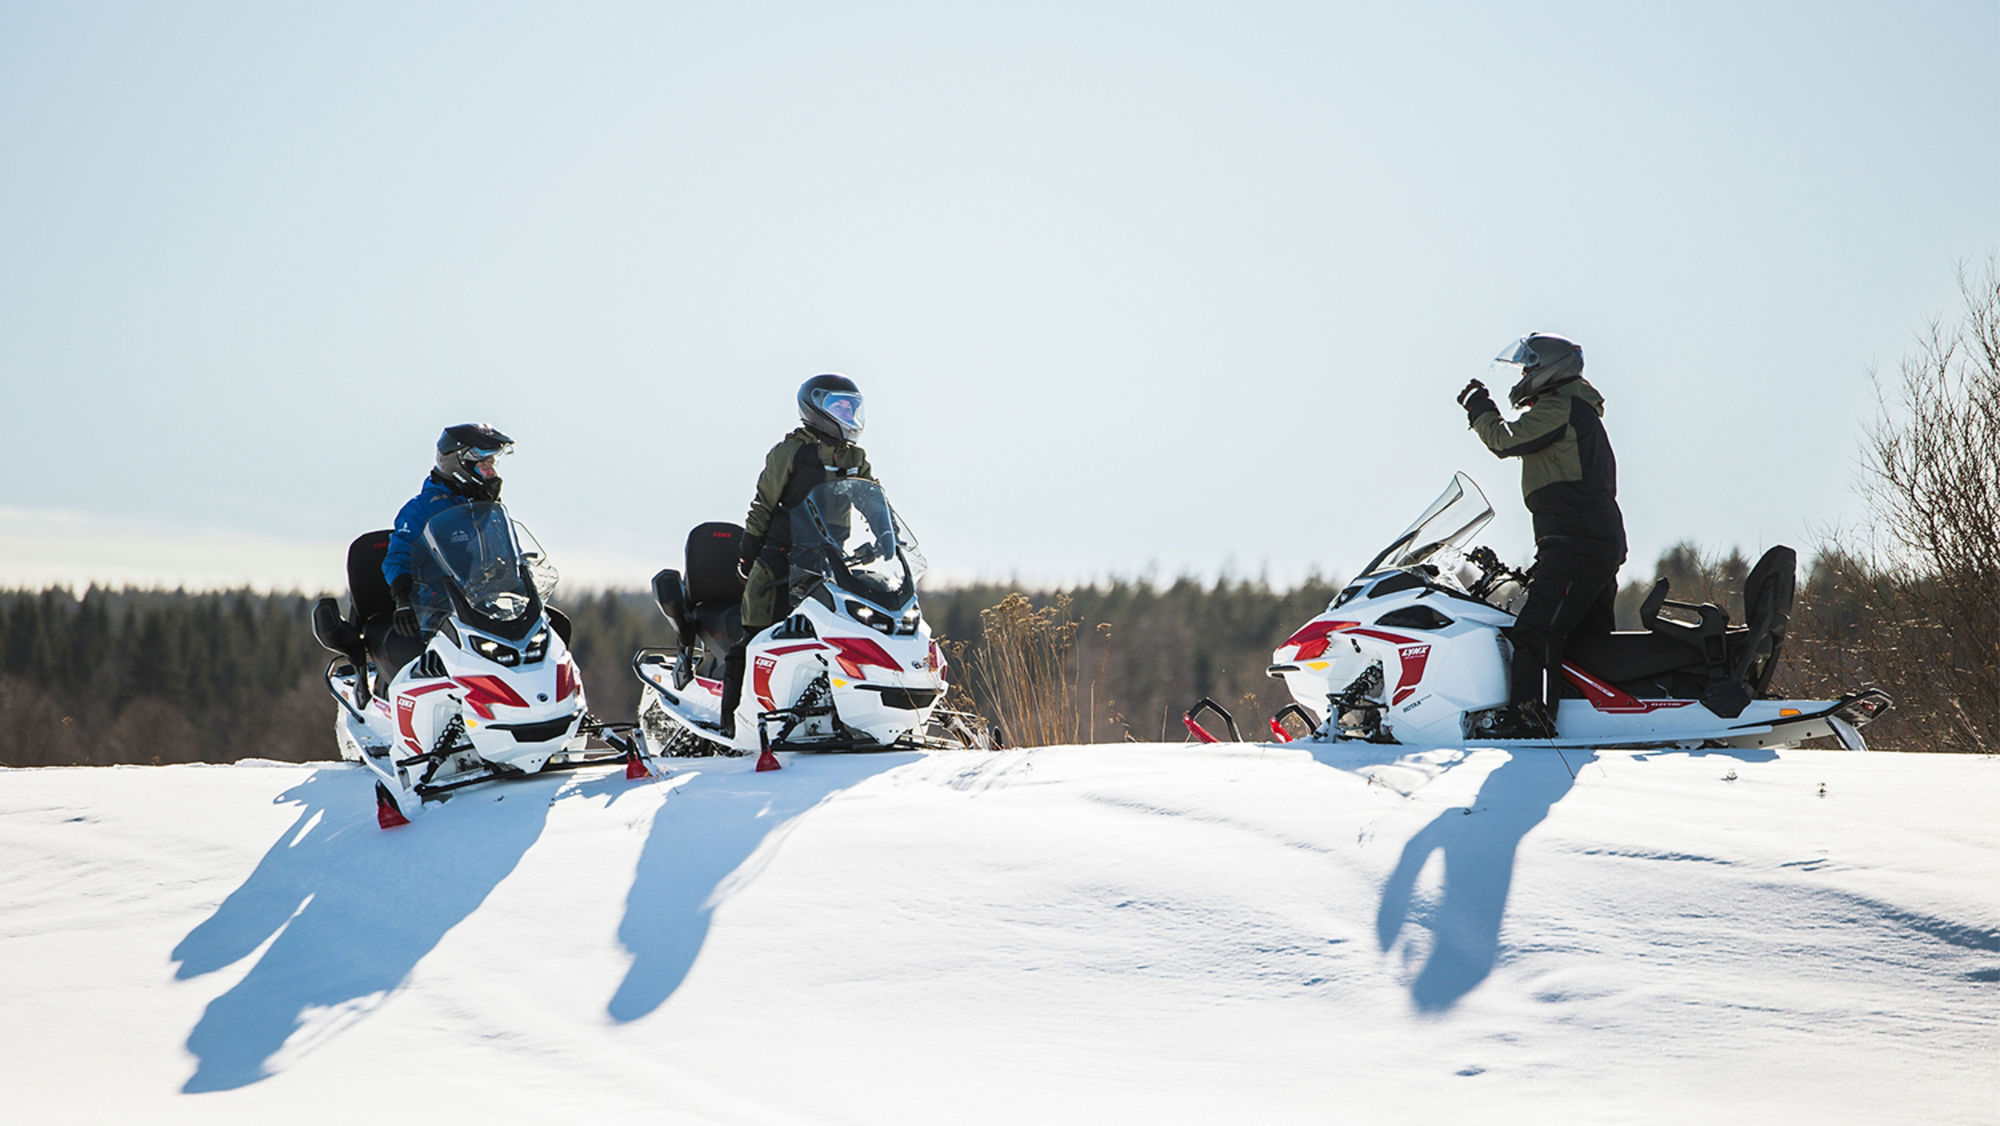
column 476, row 463
column 843, row 407
column 1519, row 352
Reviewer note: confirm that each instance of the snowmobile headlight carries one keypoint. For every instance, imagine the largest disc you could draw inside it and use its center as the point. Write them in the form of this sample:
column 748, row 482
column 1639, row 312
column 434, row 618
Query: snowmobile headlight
column 492, row 650
column 538, row 646
column 871, row 617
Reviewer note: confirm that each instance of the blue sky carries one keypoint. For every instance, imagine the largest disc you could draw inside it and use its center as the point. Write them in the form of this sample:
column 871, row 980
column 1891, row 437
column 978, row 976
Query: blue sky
column 1132, row 287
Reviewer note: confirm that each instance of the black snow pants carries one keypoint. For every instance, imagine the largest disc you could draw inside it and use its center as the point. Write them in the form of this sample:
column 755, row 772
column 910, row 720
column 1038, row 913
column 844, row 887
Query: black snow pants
column 1574, row 586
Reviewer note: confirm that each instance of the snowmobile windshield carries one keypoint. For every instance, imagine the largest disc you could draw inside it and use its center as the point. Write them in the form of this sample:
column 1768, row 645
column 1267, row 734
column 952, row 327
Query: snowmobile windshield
column 846, row 533
column 475, row 547
column 1450, row 522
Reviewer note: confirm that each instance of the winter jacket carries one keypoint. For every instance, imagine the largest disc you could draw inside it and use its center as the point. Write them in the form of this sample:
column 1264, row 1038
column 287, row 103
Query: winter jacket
column 797, row 465
column 436, row 496
column 1568, row 474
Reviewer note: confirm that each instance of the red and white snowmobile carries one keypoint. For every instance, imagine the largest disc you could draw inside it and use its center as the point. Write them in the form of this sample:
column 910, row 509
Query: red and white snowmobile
column 853, row 668
column 1415, row 651
column 494, row 692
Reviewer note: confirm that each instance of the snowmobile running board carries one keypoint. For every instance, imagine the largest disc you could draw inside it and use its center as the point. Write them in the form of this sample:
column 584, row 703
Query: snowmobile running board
column 1845, row 717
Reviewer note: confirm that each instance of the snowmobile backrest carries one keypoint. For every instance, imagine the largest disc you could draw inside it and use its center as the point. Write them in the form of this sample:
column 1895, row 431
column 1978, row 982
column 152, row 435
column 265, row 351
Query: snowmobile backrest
column 670, row 594
column 712, row 551
column 1706, row 633
column 1649, row 610
column 336, row 633
column 1768, row 592
column 1770, row 587
column 366, row 588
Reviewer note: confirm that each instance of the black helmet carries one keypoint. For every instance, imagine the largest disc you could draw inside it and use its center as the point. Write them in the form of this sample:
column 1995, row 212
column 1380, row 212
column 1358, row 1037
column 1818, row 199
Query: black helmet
column 830, row 406
column 1545, row 362
column 462, row 448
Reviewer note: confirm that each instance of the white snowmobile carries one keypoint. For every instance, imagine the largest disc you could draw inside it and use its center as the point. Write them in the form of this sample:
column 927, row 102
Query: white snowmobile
column 494, row 692
column 853, row 668
column 1414, row 651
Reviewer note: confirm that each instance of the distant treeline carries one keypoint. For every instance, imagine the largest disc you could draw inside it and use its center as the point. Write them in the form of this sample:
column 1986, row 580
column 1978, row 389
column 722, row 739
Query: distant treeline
column 157, row 677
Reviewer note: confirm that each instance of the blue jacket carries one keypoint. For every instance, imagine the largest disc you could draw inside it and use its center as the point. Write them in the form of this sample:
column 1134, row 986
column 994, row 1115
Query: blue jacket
column 407, row 536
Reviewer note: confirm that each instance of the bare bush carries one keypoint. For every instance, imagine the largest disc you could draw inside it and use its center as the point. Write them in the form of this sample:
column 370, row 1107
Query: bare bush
column 1930, row 570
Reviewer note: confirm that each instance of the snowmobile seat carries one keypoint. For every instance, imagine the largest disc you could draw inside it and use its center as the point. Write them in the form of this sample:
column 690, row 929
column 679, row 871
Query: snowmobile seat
column 711, row 576
column 1645, row 663
column 719, row 624
column 714, row 590
column 367, row 590
column 368, row 594
column 372, row 606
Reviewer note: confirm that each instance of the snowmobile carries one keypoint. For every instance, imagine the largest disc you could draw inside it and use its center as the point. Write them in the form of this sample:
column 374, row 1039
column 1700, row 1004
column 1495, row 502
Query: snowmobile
column 853, row 668
column 1415, row 651
column 494, row 692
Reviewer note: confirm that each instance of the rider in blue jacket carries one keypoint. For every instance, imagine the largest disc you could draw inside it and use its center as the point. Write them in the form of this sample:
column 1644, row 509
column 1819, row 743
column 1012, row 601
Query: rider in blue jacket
column 465, row 473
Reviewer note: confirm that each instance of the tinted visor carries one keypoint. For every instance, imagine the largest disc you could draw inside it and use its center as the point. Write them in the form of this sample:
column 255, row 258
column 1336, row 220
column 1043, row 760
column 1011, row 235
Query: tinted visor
column 1517, row 353
column 843, row 407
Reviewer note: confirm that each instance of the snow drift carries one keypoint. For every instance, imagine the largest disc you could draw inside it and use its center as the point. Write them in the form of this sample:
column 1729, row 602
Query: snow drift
column 1149, row 933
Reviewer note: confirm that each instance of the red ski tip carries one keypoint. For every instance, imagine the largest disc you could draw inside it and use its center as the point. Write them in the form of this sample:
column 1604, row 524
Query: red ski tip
column 768, row 761
column 635, row 767
column 386, row 813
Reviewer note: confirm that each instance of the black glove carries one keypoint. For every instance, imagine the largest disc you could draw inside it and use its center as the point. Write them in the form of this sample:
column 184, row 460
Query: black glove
column 405, row 621
column 753, row 546
column 1476, row 401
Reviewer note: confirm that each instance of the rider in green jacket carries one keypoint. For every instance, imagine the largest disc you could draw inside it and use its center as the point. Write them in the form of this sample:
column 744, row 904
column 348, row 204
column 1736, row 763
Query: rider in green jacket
column 821, row 449
column 1569, row 478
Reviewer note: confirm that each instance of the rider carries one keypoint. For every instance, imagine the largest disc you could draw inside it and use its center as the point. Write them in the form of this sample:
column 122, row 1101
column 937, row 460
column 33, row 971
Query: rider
column 465, row 473
column 1570, row 481
column 822, row 448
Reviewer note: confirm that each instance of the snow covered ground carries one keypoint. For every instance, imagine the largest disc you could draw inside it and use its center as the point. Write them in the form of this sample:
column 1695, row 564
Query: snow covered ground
column 1137, row 933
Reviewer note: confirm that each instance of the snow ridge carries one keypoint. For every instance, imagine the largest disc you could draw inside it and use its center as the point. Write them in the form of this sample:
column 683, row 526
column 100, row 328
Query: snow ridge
column 1150, row 932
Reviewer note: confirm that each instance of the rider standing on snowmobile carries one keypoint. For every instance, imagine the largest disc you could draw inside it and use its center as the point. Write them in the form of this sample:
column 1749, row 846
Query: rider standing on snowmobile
column 465, row 473
column 1570, row 480
column 821, row 449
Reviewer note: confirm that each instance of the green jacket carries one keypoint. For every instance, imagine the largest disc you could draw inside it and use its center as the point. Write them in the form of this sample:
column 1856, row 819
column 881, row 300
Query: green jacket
column 1569, row 476
column 796, row 466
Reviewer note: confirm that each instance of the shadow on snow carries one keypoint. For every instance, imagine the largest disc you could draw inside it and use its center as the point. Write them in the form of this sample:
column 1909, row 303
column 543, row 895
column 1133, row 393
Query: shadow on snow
column 353, row 909
column 701, row 844
column 1478, row 844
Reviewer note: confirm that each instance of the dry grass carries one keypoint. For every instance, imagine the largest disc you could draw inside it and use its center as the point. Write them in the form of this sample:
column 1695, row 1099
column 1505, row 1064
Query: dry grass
column 1026, row 671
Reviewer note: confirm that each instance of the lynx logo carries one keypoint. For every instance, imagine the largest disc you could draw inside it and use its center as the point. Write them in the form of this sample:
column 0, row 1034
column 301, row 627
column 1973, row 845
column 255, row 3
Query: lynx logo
column 760, row 682
column 406, row 713
column 1415, row 657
